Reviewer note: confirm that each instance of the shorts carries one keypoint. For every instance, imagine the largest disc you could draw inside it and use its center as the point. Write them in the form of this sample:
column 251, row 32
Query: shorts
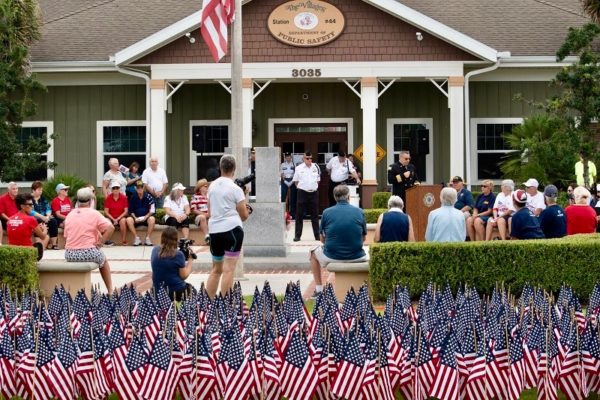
column 226, row 244
column 174, row 223
column 484, row 219
column 324, row 260
column 142, row 223
column 86, row 255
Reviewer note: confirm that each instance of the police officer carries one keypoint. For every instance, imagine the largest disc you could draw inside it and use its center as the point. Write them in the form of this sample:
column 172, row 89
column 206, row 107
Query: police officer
column 288, row 189
column 306, row 178
column 402, row 175
column 340, row 169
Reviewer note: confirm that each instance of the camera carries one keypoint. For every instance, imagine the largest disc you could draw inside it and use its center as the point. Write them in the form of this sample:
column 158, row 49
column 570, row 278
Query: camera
column 184, row 247
column 241, row 182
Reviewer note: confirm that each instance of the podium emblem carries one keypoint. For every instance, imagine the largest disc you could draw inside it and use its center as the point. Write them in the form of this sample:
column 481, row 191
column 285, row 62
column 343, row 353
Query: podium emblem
column 429, row 199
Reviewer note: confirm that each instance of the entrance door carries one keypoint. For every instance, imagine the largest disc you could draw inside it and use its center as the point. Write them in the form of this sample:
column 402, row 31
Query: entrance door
column 324, row 141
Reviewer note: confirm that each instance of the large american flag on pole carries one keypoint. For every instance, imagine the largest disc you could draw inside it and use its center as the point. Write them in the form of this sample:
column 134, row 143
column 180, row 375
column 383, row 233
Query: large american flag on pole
column 216, row 15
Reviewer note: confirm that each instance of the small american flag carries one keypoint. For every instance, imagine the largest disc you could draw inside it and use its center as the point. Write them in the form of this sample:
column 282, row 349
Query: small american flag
column 159, row 373
column 446, row 382
column 299, row 377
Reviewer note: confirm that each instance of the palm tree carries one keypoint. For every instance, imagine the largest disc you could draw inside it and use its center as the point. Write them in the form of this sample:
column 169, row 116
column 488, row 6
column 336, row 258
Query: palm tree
column 592, row 8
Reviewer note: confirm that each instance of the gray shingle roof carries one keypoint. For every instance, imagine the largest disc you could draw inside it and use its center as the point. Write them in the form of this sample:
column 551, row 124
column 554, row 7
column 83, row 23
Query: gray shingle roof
column 92, row 30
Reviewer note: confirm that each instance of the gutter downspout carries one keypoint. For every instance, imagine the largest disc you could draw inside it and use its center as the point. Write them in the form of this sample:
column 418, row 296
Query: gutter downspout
column 500, row 56
column 146, row 77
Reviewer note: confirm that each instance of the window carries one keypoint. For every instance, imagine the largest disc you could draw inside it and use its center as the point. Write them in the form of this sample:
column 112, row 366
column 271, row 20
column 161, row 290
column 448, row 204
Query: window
column 124, row 140
column 400, row 134
column 208, row 142
column 487, row 137
column 36, row 130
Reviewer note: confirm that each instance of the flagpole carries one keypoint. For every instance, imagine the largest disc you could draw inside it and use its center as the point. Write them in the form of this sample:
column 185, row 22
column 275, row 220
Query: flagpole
column 237, row 109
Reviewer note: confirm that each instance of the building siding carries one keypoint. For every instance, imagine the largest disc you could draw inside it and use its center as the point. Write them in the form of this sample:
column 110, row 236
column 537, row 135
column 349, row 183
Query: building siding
column 497, row 99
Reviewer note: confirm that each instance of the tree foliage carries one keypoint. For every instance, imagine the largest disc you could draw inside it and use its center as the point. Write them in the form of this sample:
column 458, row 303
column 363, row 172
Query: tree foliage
column 592, row 8
column 19, row 28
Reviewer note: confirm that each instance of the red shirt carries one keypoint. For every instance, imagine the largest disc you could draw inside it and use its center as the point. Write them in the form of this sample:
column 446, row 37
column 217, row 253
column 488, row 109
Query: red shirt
column 115, row 207
column 20, row 228
column 580, row 219
column 64, row 206
column 8, row 205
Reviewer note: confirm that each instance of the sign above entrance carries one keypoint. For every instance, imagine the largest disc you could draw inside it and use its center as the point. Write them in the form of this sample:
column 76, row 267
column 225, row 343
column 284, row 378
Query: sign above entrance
column 306, row 23
column 358, row 153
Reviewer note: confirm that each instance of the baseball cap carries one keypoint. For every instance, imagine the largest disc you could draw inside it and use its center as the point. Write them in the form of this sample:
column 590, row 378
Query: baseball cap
column 139, row 184
column 551, row 191
column 531, row 182
column 456, row 179
column 61, row 186
column 520, row 196
column 178, row 186
column 115, row 184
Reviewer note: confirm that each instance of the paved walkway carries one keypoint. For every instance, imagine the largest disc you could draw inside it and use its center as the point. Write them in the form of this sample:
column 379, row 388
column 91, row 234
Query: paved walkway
column 132, row 265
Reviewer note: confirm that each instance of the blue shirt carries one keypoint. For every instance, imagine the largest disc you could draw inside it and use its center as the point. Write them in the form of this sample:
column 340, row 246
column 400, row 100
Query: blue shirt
column 553, row 222
column 140, row 207
column 394, row 227
column 344, row 227
column 166, row 271
column 446, row 224
column 464, row 198
column 485, row 202
column 525, row 225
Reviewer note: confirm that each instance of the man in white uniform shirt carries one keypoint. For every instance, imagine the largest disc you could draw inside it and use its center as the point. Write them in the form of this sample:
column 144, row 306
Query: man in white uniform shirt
column 535, row 199
column 155, row 182
column 340, row 169
column 306, row 178
column 288, row 189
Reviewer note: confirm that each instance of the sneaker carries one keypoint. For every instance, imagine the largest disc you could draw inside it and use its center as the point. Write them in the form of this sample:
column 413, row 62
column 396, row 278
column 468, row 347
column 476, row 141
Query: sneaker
column 296, row 239
column 137, row 241
column 109, row 243
column 148, row 242
column 207, row 240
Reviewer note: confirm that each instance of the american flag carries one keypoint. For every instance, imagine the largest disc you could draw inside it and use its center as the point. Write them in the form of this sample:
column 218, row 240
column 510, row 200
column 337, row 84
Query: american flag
column 547, row 384
column 216, row 15
column 8, row 377
column 42, row 386
column 570, row 378
column 351, row 371
column 424, row 368
column 476, row 388
column 125, row 383
column 272, row 364
column 62, row 374
column 135, row 364
column 298, row 375
column 159, row 372
column 239, row 381
column 516, row 375
column 446, row 382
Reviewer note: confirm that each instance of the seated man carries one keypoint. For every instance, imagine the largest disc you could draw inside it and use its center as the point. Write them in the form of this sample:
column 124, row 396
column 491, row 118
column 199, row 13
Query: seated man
column 553, row 220
column 464, row 197
column 116, row 210
column 446, row 224
column 21, row 226
column 343, row 232
column 8, row 205
column 141, row 208
column 524, row 224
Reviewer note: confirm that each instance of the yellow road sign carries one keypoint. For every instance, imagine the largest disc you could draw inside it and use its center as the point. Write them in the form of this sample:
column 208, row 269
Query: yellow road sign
column 358, row 153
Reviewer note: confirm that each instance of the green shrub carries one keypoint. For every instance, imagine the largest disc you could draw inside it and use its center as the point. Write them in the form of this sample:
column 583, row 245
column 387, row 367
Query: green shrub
column 371, row 214
column 74, row 182
column 18, row 267
column 548, row 263
column 159, row 215
column 380, row 199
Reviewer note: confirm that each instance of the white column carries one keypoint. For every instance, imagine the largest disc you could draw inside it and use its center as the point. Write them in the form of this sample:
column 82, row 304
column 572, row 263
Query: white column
column 369, row 101
column 457, row 124
column 248, row 106
column 158, row 126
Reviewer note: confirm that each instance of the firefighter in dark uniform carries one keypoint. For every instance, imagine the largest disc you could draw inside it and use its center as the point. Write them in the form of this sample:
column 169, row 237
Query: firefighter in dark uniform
column 402, row 175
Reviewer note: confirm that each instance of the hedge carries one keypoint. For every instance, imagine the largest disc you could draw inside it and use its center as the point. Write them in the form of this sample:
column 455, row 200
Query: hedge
column 18, row 267
column 371, row 214
column 380, row 199
column 548, row 263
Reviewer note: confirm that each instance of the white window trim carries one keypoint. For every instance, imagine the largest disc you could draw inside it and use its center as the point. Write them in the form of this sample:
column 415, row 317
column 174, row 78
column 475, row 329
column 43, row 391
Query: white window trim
column 194, row 154
column 348, row 121
column 474, row 152
column 392, row 156
column 49, row 125
column 100, row 125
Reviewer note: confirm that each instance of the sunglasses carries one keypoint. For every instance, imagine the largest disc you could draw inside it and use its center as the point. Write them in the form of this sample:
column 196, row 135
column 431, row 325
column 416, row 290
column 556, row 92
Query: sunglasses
column 116, row 188
column 485, row 186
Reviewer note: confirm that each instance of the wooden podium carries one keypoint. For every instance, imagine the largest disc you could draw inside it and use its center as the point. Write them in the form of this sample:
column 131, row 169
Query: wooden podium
column 420, row 201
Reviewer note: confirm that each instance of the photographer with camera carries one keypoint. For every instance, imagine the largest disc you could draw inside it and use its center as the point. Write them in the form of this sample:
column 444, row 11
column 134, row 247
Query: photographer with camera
column 227, row 208
column 172, row 265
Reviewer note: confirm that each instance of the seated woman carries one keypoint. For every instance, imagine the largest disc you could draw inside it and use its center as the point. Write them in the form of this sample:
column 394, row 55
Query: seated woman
column 61, row 204
column 177, row 209
column 394, row 225
column 199, row 207
column 43, row 213
column 581, row 218
column 85, row 232
column 116, row 210
column 481, row 212
column 169, row 265
column 502, row 211
column 21, row 226
column 133, row 176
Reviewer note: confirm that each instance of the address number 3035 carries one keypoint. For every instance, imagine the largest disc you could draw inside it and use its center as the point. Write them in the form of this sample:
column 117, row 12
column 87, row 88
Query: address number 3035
column 301, row 73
